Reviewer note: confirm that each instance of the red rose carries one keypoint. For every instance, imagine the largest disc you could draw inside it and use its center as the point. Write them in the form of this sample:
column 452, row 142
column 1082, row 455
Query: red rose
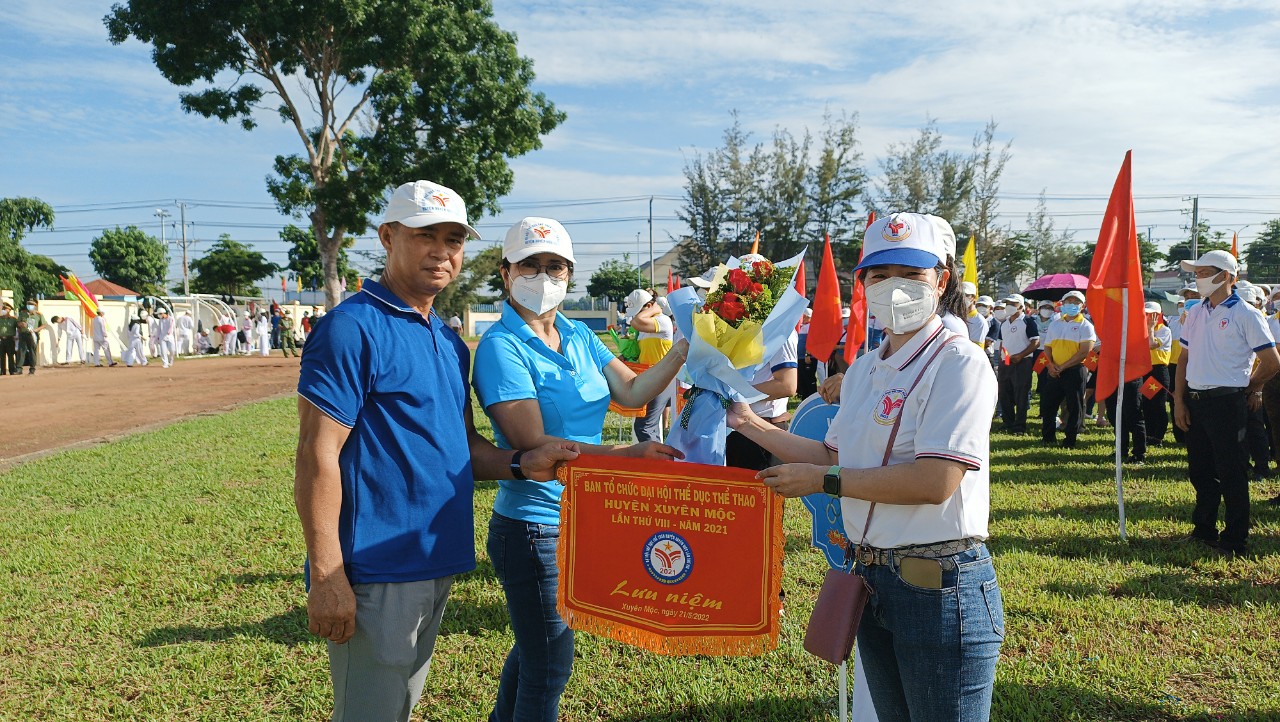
column 739, row 280
column 762, row 268
column 730, row 296
column 756, row 289
column 732, row 311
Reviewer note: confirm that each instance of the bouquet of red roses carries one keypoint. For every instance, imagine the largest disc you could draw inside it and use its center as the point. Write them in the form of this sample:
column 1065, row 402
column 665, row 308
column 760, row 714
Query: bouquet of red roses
column 748, row 292
column 750, row 311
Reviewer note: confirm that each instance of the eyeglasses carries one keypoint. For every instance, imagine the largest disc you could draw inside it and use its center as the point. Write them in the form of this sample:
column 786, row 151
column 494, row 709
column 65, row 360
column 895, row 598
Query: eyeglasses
column 558, row 270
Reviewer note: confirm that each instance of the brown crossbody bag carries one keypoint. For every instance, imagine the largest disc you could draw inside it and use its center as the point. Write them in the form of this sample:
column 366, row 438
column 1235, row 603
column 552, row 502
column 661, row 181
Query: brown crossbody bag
column 833, row 625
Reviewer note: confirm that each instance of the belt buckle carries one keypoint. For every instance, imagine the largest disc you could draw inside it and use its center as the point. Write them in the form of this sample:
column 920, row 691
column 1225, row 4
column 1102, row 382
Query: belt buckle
column 865, row 554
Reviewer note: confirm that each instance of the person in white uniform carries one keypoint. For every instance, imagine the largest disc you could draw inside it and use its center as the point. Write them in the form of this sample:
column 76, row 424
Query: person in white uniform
column 186, row 333
column 74, row 336
column 100, row 343
column 246, row 332
column 1218, row 383
column 263, row 330
column 907, row 454
column 139, row 334
column 165, row 339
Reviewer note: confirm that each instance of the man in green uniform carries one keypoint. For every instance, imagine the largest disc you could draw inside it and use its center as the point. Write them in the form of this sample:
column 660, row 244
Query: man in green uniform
column 30, row 322
column 8, row 340
column 288, row 345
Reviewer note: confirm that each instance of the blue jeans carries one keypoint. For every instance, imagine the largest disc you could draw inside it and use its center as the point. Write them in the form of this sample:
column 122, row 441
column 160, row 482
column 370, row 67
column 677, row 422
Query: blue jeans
column 538, row 666
column 930, row 654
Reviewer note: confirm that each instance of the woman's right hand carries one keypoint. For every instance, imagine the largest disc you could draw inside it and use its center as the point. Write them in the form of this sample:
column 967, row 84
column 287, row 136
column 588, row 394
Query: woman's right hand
column 739, row 413
column 654, row 450
column 830, row 389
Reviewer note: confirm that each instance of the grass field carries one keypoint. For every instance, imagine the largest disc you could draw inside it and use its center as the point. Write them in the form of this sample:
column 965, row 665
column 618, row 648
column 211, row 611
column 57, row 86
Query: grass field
column 159, row 578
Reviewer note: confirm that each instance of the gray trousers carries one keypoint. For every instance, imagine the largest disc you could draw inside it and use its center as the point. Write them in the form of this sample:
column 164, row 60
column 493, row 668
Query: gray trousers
column 379, row 673
column 649, row 426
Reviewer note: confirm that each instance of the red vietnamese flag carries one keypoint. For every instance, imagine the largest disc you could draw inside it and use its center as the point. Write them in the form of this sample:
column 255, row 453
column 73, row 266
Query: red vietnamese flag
column 1151, row 387
column 857, row 330
column 669, row 281
column 675, row 284
column 1116, row 267
column 1235, row 244
column 284, row 288
column 1091, row 361
column 800, row 281
column 1042, row 363
column 824, row 325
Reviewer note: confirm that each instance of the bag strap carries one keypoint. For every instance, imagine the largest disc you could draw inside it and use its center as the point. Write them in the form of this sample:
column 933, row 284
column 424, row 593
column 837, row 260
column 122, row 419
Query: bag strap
column 897, row 422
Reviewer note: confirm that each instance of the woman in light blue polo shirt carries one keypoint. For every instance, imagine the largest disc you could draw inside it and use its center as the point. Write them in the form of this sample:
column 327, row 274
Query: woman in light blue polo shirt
column 541, row 376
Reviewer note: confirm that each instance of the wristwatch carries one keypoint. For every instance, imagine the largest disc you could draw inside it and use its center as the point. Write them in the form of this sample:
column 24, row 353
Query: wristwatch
column 516, row 471
column 831, row 482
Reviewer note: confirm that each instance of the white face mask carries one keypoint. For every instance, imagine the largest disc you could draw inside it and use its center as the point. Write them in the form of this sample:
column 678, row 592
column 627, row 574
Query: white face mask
column 1206, row 286
column 538, row 294
column 902, row 304
column 1046, row 313
column 1000, row 314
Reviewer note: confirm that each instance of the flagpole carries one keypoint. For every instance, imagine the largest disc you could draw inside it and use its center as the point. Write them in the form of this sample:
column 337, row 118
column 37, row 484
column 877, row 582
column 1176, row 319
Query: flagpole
column 1124, row 348
column 844, row 691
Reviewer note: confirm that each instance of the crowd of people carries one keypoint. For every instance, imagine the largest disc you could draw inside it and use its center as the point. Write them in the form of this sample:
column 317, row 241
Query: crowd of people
column 150, row 333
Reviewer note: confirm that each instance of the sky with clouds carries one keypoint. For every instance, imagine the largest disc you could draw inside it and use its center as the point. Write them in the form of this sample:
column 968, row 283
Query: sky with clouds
column 1189, row 85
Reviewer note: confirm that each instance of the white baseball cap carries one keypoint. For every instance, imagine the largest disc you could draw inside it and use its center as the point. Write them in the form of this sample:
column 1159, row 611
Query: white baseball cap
column 1251, row 294
column 1015, row 298
column 1153, row 307
column 537, row 235
column 1222, row 260
column 945, row 233
column 637, row 298
column 984, row 301
column 423, row 203
column 1074, row 294
column 1189, row 288
column 904, row 239
column 969, row 288
column 1045, row 304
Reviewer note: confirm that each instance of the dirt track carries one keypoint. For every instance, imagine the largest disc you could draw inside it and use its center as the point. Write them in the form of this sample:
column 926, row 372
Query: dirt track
column 61, row 406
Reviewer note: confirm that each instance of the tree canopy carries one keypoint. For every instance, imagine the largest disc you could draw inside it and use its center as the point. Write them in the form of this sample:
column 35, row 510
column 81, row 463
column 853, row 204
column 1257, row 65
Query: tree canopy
column 131, row 258
column 230, row 268
column 379, row 92
column 479, row 282
column 304, row 258
column 27, row 274
column 614, row 279
column 1263, row 254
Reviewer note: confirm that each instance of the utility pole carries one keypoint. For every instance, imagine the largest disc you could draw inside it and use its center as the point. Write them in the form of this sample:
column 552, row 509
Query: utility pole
column 651, row 281
column 162, row 214
column 639, row 275
column 1195, row 228
column 186, row 288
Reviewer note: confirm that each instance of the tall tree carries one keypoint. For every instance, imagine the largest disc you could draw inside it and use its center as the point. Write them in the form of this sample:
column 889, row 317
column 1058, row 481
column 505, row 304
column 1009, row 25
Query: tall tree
column 379, row 92
column 1050, row 250
column 304, row 257
column 922, row 177
column 131, row 258
column 614, row 279
column 836, row 183
column 1206, row 240
column 230, row 268
column 705, row 212
column 28, row 275
column 1263, row 254
column 980, row 213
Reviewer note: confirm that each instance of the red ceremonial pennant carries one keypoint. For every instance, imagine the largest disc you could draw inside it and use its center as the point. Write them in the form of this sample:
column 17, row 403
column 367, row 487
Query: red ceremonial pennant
column 1004, row 356
column 673, row 557
column 1152, row 387
column 1042, row 363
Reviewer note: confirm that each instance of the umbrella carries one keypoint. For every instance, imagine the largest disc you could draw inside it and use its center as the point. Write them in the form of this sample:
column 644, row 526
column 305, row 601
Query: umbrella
column 1054, row 285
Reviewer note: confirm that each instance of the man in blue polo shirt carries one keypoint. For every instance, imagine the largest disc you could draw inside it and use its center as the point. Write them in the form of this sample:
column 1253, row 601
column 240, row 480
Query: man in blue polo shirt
column 1217, row 384
column 386, row 460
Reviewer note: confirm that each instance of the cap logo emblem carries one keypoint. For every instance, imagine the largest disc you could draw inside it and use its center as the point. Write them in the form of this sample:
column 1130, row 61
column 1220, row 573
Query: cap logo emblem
column 440, row 198
column 541, row 230
column 896, row 231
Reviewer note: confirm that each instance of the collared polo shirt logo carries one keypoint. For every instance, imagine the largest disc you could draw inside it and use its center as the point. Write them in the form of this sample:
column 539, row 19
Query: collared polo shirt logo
column 890, row 406
column 895, row 232
column 668, row 557
column 1224, row 323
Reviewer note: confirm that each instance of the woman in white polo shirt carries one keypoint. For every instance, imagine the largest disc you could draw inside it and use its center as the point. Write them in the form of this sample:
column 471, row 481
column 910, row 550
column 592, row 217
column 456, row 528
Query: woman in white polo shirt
column 930, row 394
